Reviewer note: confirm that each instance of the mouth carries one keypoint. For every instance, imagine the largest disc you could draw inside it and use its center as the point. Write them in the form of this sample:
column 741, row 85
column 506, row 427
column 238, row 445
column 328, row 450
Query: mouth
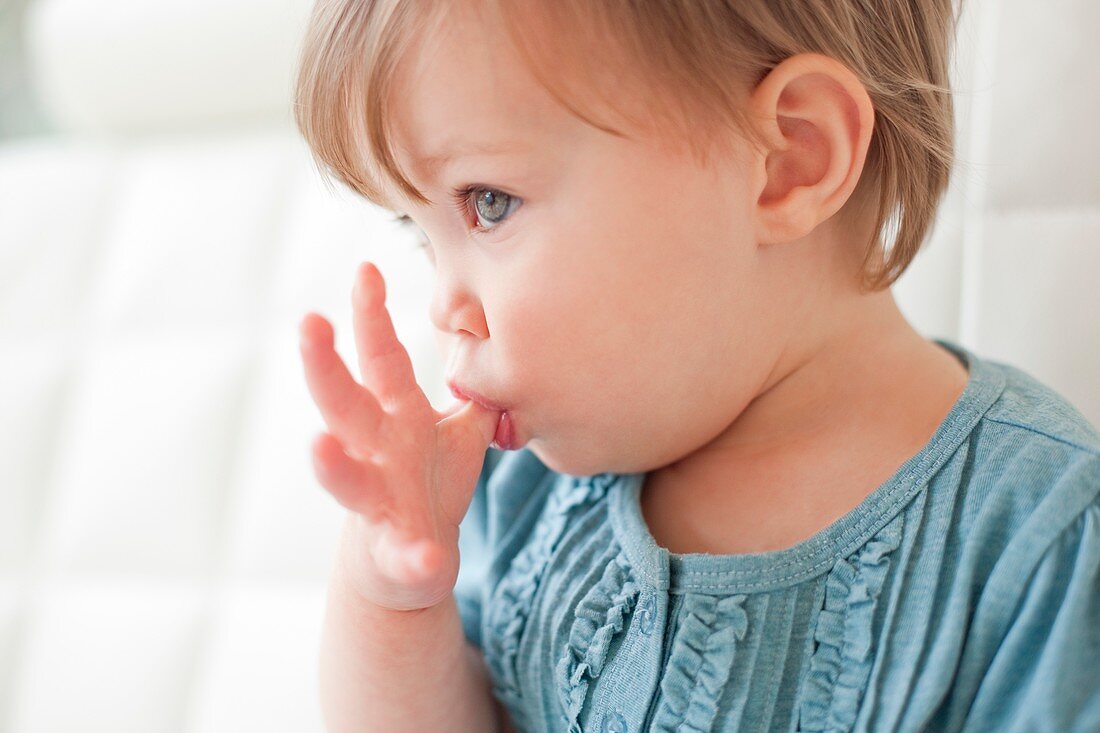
column 470, row 396
column 506, row 436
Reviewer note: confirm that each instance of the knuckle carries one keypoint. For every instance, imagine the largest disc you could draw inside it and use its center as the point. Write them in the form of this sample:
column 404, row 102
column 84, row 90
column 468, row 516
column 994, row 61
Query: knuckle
column 345, row 411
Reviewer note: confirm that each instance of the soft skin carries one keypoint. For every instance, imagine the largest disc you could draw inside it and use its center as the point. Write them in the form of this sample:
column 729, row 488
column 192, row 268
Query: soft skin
column 638, row 312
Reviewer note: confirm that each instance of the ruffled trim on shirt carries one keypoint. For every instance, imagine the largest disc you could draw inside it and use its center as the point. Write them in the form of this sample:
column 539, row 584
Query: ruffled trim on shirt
column 599, row 617
column 841, row 662
column 514, row 595
column 700, row 663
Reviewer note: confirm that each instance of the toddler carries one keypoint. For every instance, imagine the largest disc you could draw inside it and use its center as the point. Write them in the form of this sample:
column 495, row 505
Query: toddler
column 707, row 476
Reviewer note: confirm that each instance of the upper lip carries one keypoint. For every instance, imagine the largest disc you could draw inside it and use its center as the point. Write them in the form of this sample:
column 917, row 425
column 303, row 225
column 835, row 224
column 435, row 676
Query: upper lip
column 464, row 393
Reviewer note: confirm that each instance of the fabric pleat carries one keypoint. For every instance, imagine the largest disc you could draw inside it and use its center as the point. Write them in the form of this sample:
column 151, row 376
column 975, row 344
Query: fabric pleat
column 514, row 596
column 841, row 662
column 700, row 662
column 600, row 616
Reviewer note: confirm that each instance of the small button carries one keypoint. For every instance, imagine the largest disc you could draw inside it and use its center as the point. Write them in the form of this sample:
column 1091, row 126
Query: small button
column 614, row 723
column 647, row 615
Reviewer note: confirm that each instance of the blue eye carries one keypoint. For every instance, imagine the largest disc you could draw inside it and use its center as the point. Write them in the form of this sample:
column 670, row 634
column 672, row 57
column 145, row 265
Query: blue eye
column 490, row 204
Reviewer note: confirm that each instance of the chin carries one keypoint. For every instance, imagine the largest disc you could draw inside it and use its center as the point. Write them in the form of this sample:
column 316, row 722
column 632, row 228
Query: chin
column 572, row 465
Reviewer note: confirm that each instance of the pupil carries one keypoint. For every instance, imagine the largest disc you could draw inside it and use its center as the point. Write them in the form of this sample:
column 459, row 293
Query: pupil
column 490, row 199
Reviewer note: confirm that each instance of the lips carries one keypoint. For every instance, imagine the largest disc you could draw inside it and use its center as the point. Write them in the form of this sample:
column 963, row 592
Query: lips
column 463, row 393
column 506, row 436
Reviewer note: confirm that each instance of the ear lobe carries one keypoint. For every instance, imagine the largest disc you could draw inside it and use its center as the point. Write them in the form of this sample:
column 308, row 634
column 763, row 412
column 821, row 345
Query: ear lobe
column 816, row 118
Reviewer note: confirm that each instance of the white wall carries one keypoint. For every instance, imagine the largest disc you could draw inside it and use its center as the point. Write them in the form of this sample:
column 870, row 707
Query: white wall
column 163, row 542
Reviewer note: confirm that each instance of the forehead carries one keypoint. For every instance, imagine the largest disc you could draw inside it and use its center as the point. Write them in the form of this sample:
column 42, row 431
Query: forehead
column 463, row 89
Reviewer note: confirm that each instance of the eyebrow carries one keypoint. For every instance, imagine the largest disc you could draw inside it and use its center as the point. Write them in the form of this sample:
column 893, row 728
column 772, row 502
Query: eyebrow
column 438, row 161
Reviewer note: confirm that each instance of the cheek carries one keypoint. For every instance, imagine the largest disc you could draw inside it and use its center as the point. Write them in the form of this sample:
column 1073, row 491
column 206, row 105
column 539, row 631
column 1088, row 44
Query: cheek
column 630, row 317
column 561, row 349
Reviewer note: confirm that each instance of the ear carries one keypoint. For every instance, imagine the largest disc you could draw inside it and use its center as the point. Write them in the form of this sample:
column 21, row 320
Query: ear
column 817, row 120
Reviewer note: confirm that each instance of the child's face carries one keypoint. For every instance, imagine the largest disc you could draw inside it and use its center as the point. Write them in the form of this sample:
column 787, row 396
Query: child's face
column 618, row 304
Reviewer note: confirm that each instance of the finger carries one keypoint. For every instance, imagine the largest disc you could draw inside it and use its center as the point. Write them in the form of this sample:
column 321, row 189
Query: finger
column 349, row 410
column 358, row 485
column 465, row 435
column 384, row 364
column 451, row 409
column 468, row 425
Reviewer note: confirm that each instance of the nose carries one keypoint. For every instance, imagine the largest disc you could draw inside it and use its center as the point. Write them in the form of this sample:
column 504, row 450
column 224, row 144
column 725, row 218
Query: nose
column 455, row 309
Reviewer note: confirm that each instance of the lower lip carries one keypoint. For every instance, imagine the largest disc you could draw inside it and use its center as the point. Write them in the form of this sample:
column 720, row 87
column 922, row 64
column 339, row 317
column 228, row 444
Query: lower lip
column 506, row 438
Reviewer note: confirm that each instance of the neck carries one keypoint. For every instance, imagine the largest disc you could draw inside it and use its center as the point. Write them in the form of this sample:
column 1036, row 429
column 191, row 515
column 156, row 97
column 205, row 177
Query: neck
column 816, row 385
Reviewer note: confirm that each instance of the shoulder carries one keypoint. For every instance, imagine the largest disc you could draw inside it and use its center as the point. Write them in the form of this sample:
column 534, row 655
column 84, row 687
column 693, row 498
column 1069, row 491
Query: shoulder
column 1035, row 634
column 1011, row 528
column 1022, row 480
column 1030, row 466
column 1028, row 496
column 1032, row 411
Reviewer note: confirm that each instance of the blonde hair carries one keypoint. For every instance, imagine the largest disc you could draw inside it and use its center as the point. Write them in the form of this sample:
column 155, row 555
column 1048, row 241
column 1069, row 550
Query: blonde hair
column 687, row 53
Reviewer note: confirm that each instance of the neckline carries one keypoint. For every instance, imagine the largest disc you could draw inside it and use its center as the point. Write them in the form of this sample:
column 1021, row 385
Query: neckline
column 769, row 570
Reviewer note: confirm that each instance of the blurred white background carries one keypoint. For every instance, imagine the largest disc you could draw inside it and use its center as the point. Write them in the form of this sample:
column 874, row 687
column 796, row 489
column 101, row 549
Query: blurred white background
column 164, row 544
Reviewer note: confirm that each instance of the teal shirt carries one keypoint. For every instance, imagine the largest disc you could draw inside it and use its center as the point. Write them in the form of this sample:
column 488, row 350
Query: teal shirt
column 963, row 594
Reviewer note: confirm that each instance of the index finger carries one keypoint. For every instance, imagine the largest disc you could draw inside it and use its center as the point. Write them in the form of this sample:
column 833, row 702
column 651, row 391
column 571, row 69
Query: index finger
column 383, row 361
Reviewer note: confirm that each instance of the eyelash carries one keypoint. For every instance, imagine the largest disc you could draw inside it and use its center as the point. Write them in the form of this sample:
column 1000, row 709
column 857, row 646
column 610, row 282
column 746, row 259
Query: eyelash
column 460, row 198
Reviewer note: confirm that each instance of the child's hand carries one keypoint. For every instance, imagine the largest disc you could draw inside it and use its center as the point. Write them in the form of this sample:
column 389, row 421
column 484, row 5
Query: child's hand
column 406, row 471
